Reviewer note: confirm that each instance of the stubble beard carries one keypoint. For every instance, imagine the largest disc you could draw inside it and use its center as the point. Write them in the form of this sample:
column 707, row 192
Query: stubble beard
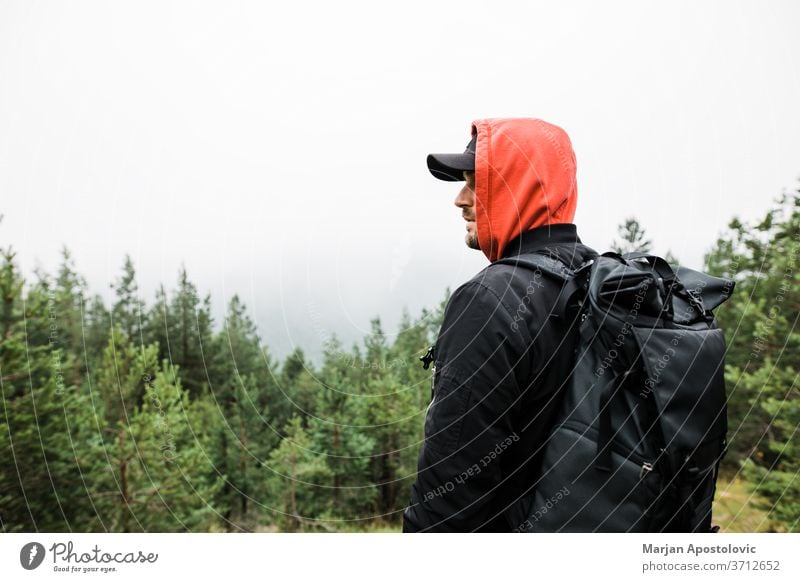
column 472, row 240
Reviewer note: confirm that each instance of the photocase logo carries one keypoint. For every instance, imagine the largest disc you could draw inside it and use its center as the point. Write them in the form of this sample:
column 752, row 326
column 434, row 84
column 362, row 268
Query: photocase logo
column 31, row 555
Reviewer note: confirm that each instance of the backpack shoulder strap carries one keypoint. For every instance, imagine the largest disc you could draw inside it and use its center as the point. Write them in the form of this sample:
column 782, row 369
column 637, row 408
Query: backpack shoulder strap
column 574, row 280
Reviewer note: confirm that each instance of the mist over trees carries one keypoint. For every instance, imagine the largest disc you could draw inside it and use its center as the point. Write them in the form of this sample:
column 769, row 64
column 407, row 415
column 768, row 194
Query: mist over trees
column 148, row 416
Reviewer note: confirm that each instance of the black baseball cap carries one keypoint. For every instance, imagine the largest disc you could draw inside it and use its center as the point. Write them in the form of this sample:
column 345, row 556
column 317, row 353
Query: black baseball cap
column 450, row 167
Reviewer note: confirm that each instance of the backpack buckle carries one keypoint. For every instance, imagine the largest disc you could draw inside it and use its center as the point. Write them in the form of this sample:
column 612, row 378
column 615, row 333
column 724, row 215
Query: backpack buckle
column 695, row 299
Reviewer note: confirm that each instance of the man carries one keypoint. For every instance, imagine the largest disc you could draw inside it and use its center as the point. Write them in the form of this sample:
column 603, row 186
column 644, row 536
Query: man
column 501, row 357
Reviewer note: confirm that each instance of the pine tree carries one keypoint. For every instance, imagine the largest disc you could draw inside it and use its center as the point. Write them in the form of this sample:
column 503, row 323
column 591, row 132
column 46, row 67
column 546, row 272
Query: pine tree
column 346, row 447
column 182, row 326
column 128, row 310
column 42, row 412
column 156, row 473
column 295, row 477
column 633, row 238
column 242, row 394
column 54, row 320
column 97, row 327
column 299, row 387
column 390, row 409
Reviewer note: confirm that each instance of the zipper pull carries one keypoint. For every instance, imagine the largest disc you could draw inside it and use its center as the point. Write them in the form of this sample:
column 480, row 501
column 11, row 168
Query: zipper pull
column 646, row 468
column 427, row 358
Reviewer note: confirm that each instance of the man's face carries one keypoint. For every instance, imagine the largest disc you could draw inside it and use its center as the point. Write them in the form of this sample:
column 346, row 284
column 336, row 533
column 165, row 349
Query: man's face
column 466, row 202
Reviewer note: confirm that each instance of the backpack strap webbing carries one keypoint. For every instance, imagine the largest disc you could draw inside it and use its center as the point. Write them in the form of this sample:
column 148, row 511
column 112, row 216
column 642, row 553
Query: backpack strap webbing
column 574, row 280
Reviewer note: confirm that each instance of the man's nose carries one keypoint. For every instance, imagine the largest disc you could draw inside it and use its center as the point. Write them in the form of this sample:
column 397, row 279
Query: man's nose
column 463, row 198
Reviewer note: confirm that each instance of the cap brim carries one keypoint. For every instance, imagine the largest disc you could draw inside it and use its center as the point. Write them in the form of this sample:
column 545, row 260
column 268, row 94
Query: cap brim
column 451, row 167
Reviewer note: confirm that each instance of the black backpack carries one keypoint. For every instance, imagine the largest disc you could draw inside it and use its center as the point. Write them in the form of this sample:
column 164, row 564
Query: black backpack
column 642, row 423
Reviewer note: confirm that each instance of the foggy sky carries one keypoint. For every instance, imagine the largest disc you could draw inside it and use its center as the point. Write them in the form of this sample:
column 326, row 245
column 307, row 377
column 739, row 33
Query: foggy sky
column 279, row 152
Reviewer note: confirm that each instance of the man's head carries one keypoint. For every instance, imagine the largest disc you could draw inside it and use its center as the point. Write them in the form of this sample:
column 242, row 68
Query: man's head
column 518, row 173
column 455, row 168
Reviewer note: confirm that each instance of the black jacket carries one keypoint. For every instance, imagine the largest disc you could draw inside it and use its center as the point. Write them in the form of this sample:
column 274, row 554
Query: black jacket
column 500, row 360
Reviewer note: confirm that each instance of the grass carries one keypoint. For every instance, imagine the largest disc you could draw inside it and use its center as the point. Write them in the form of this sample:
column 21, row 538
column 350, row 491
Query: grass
column 735, row 508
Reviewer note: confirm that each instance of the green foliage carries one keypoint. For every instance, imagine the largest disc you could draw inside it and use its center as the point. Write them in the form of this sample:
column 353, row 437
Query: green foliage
column 243, row 391
column 128, row 309
column 136, row 417
column 155, row 466
column 337, row 432
column 294, row 483
column 182, row 328
column 760, row 322
column 41, row 417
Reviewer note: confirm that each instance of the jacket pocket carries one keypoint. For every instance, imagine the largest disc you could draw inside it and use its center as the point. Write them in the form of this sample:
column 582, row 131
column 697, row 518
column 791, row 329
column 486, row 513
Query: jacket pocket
column 445, row 414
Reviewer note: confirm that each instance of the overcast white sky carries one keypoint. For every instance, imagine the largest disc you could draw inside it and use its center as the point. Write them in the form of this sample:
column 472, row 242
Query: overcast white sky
column 280, row 151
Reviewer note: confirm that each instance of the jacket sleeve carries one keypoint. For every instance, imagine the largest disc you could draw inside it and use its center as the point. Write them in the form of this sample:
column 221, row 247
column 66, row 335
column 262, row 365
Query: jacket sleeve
column 480, row 354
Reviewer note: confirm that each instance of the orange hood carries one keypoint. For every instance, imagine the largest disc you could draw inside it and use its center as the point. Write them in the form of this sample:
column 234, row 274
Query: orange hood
column 524, row 178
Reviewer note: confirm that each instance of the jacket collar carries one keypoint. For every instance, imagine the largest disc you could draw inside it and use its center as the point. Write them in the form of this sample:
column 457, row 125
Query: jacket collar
column 541, row 236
